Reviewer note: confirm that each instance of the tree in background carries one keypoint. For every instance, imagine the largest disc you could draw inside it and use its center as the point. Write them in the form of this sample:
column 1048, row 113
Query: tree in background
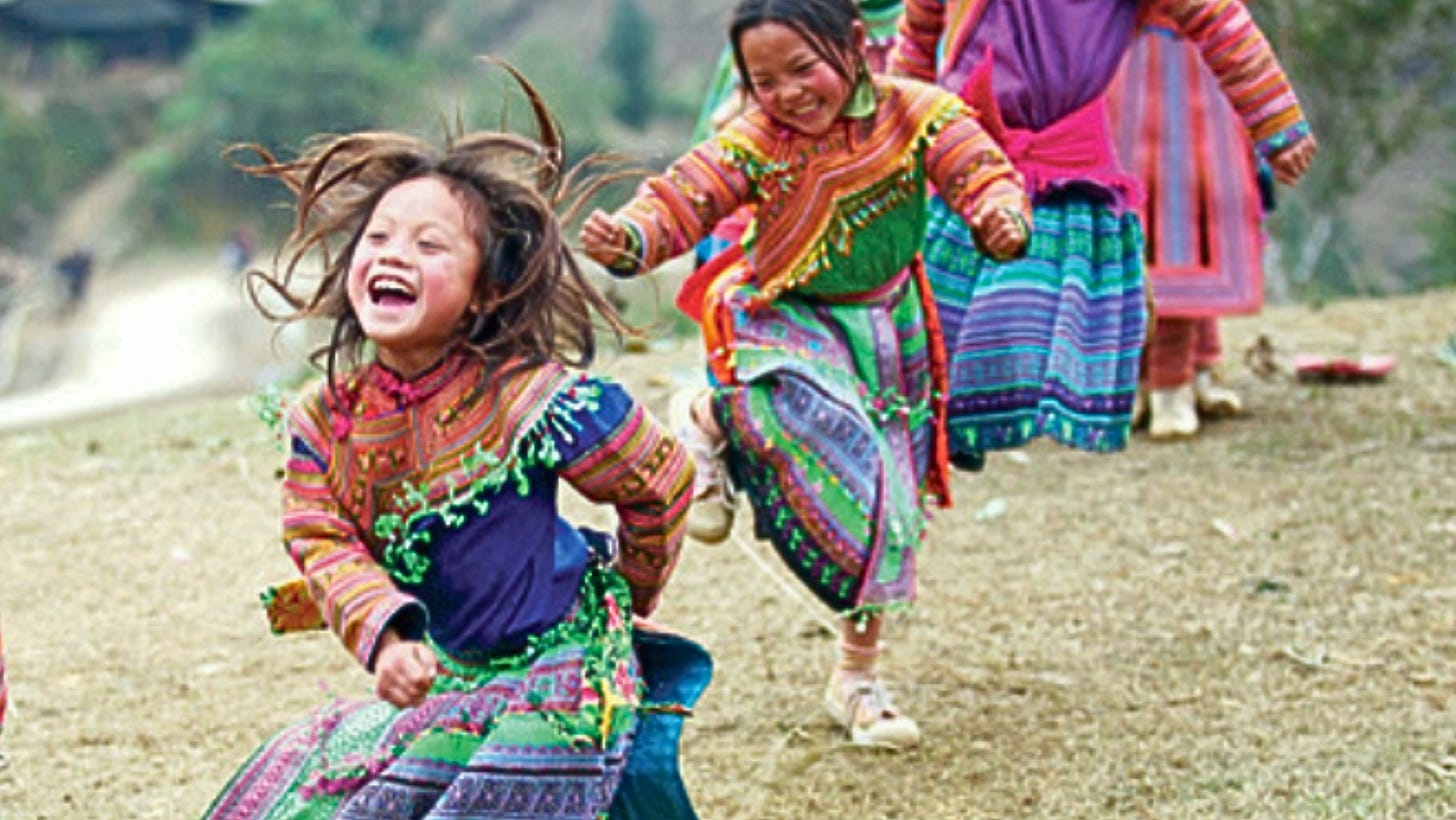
column 1440, row 227
column 288, row 71
column 628, row 51
column 1371, row 76
column 23, row 174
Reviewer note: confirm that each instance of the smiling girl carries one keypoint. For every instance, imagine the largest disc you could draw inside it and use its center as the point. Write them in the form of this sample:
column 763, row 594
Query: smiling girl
column 823, row 340
column 420, row 493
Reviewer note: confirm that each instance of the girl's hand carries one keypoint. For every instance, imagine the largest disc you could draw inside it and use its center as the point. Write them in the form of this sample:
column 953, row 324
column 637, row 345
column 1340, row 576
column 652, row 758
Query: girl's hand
column 1291, row 163
column 1002, row 232
column 403, row 671
column 603, row 238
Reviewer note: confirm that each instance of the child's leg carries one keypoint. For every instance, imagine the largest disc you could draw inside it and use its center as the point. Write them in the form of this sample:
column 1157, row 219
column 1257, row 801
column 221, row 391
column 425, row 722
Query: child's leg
column 1170, row 379
column 691, row 418
column 855, row 696
column 1214, row 400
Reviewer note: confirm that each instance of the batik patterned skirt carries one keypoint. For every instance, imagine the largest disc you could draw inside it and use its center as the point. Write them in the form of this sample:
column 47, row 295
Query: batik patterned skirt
column 542, row 733
column 1048, row 344
column 830, row 413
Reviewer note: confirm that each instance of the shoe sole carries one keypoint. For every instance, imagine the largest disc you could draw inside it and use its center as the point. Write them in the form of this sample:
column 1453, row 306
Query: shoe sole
column 1218, row 409
column 863, row 737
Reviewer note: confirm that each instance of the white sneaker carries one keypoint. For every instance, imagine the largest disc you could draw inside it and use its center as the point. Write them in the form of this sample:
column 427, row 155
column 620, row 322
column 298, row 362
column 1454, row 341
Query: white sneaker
column 1172, row 413
column 711, row 518
column 1214, row 400
column 860, row 704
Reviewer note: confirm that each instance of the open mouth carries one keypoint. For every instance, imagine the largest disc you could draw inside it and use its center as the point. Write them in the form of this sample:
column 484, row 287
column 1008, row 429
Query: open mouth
column 391, row 291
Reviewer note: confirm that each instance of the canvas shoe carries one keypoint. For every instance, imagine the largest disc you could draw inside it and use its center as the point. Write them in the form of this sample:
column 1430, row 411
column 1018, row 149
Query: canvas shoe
column 711, row 518
column 860, row 704
column 1172, row 414
column 1213, row 399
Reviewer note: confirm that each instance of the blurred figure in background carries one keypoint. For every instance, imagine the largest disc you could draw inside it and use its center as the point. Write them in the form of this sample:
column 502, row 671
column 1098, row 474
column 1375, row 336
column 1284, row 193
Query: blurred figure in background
column 237, row 250
column 74, row 270
column 1207, row 191
column 1051, row 343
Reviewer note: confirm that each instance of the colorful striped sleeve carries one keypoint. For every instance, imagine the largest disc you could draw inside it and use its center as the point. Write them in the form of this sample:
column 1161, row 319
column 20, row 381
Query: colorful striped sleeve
column 1239, row 55
column 356, row 597
column 914, row 54
column 675, row 209
column 621, row 456
column 969, row 169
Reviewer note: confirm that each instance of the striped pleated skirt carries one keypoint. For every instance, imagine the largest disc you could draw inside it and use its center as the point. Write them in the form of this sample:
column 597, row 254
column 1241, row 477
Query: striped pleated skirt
column 831, row 413
column 542, row 733
column 1048, row 344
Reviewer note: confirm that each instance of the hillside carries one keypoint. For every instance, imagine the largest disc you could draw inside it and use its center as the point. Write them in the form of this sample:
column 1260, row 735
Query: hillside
column 1254, row 624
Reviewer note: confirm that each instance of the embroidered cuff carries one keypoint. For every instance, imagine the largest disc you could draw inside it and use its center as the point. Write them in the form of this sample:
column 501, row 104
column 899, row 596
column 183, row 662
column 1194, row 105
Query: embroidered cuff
column 1269, row 146
column 629, row 262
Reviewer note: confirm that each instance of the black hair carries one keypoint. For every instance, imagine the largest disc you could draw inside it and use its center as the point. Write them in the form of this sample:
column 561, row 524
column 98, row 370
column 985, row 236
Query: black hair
column 531, row 303
column 828, row 26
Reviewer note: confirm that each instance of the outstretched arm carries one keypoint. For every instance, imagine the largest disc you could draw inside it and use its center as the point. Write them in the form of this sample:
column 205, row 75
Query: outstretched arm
column 1240, row 56
column 977, row 180
column 670, row 212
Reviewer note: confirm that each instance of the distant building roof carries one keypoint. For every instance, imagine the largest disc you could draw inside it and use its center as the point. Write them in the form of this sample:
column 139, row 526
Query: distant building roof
column 83, row 18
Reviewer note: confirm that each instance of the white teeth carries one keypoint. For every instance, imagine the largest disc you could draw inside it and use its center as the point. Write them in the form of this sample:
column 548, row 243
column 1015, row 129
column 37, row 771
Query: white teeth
column 382, row 286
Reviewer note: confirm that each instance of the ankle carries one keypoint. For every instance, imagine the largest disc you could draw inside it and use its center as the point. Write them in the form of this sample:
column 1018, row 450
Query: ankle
column 858, row 661
column 701, row 413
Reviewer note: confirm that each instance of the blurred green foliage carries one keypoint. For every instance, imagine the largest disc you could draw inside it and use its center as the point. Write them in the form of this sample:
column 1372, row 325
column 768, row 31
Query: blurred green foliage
column 1371, row 73
column 1373, row 76
column 290, row 70
column 628, row 52
column 25, row 173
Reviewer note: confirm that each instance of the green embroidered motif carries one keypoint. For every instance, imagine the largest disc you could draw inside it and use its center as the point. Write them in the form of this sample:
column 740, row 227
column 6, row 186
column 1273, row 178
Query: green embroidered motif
column 407, row 532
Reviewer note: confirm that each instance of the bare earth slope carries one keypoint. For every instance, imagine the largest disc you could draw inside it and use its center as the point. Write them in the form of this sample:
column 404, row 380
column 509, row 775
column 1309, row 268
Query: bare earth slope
column 1258, row 623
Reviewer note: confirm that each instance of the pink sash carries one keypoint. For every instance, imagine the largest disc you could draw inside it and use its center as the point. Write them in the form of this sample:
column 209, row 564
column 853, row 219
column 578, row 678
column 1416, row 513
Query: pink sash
column 1075, row 148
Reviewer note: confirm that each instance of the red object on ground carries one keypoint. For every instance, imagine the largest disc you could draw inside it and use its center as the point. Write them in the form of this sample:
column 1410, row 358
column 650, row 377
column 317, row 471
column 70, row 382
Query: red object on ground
column 1310, row 367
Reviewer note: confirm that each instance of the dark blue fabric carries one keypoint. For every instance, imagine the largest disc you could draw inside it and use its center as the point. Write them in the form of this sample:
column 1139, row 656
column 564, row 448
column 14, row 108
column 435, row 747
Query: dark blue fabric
column 514, row 562
column 677, row 671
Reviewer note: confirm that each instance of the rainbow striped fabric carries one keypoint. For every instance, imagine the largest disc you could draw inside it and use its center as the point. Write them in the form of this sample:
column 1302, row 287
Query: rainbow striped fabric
column 815, row 196
column 429, row 507
column 823, row 338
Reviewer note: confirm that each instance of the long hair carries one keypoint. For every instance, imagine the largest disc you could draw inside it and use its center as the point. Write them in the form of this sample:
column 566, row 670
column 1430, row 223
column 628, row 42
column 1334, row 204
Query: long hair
column 826, row 25
column 534, row 303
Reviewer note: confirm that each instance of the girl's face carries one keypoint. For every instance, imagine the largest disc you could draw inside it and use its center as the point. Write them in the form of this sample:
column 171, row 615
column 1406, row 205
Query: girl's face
column 412, row 276
column 793, row 84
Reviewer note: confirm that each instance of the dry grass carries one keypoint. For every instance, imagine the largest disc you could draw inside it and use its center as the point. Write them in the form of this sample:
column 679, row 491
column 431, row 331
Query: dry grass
column 1258, row 623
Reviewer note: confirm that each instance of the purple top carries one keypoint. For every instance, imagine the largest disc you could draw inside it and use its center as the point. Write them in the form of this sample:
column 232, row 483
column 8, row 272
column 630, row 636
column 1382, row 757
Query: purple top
column 1052, row 56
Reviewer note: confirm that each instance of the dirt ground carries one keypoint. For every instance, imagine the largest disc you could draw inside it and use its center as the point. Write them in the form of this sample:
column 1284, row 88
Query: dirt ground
column 1258, row 623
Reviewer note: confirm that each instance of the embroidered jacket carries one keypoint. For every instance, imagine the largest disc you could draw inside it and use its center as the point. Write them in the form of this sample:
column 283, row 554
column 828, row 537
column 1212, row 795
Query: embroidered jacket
column 817, row 199
column 431, row 505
